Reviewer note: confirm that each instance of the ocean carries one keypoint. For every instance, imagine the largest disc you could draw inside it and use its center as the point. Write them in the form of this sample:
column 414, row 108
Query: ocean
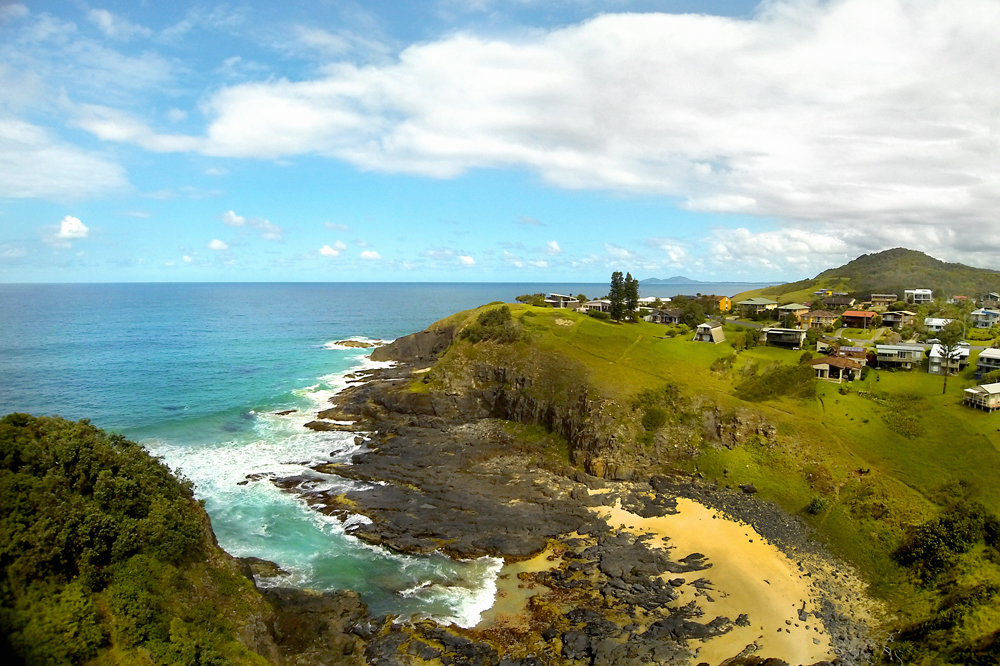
column 197, row 372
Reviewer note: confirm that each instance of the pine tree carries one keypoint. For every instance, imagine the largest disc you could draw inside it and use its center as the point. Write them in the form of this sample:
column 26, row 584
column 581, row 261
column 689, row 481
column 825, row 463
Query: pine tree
column 617, row 296
column 631, row 296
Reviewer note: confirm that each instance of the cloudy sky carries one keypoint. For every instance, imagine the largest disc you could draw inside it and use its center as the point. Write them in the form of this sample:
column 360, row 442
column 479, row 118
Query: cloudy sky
column 468, row 140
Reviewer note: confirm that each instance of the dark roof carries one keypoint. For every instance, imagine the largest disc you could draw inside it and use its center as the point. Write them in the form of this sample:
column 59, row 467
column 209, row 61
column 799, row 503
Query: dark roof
column 845, row 363
column 838, row 300
column 820, row 313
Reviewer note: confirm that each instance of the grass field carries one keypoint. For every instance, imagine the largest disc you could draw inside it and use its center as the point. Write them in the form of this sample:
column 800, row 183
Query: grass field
column 884, row 454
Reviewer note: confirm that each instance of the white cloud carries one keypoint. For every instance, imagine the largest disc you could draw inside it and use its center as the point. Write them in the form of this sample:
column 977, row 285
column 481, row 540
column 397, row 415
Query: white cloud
column 176, row 115
column 466, row 260
column 268, row 230
column 552, row 247
column 187, row 259
column 230, row 218
column 217, row 245
column 618, row 252
column 333, row 226
column 72, row 228
column 676, row 253
column 862, row 112
column 35, row 165
column 512, row 259
column 8, row 252
column 115, row 26
column 328, row 251
column 216, row 171
column 361, row 242
column 370, row 255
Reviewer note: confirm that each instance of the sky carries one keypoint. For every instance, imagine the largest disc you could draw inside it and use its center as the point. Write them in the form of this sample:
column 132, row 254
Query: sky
column 488, row 140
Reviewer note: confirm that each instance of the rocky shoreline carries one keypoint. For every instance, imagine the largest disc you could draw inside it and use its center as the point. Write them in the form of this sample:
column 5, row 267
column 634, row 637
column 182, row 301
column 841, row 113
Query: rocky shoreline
column 446, row 475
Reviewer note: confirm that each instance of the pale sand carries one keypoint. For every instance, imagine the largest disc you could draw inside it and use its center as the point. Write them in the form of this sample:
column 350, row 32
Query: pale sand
column 748, row 574
column 512, row 593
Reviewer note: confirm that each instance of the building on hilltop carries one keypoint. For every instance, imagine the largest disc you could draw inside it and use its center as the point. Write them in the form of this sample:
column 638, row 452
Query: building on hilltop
column 670, row 316
column 881, row 302
column 753, row 306
column 898, row 319
column 561, row 301
column 818, row 319
column 794, row 310
column 838, row 302
column 710, row 331
column 835, row 368
column 935, row 324
column 988, row 361
column 900, row 356
column 784, row 337
column 938, row 364
column 918, row 296
column 983, row 318
column 858, row 319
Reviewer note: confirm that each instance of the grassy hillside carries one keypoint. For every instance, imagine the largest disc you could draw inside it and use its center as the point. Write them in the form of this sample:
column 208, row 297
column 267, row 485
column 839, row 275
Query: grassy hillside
column 106, row 558
column 867, row 465
column 890, row 271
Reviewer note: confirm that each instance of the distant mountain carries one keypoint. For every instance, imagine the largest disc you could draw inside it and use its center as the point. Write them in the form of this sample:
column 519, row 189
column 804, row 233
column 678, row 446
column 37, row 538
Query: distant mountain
column 892, row 271
column 677, row 279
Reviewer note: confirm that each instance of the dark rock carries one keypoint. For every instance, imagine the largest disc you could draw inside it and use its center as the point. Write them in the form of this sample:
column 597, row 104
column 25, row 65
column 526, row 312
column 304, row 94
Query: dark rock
column 576, row 645
column 748, row 488
column 549, row 633
column 315, row 627
column 422, row 346
column 423, row 650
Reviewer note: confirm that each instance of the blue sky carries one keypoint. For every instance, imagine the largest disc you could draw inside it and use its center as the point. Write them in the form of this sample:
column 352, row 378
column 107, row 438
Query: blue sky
column 468, row 140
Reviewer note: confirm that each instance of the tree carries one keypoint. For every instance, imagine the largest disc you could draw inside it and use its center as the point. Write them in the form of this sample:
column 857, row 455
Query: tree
column 949, row 339
column 581, row 298
column 631, row 296
column 617, row 296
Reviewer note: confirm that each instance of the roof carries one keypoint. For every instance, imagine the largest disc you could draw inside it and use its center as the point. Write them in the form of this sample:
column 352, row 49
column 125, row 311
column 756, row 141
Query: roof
column 845, row 363
column 881, row 348
column 936, row 321
column 957, row 352
column 917, row 291
column 793, row 306
column 776, row 329
column 899, row 312
column 990, row 353
column 838, row 299
column 859, row 313
column 758, row 301
column 982, row 311
column 882, row 295
column 821, row 313
column 710, row 324
column 563, row 296
column 673, row 312
column 854, row 350
column 988, row 389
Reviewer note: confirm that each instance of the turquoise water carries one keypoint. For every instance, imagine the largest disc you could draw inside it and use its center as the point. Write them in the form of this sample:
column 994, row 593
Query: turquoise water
column 195, row 372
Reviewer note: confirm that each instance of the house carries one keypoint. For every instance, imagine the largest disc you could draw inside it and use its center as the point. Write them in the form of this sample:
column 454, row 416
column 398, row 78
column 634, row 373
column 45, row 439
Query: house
column 837, row 302
column 881, row 302
column 710, row 331
column 985, row 397
column 795, row 310
column 903, row 356
column 784, row 337
column 983, row 318
column 672, row 316
column 561, row 301
column 958, row 300
column 988, row 361
column 857, row 354
column 918, row 296
column 818, row 319
column 835, row 368
column 898, row 319
column 823, row 292
column 757, row 305
column 935, row 324
column 958, row 361
column 600, row 305
column 858, row 319
column 724, row 303
column 991, row 300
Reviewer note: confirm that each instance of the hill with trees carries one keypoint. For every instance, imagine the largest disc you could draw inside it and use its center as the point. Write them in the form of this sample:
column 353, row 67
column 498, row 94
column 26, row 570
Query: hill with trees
column 107, row 558
column 892, row 271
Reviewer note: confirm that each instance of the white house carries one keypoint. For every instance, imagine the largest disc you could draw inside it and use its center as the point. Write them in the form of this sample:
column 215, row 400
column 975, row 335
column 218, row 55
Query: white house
column 935, row 324
column 985, row 397
column 710, row 331
column 984, row 318
column 601, row 305
column 987, row 361
column 903, row 356
column 918, row 296
column 938, row 363
column 561, row 301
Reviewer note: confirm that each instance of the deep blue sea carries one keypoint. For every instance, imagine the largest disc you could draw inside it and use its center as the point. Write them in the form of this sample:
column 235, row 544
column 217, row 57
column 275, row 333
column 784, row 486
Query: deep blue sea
column 196, row 372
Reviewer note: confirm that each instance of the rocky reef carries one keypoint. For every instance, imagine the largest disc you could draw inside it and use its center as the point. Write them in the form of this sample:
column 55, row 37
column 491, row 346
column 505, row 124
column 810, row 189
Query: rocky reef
column 452, row 469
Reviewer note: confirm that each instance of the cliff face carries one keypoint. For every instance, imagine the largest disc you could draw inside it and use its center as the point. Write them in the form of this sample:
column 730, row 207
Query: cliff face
column 457, row 381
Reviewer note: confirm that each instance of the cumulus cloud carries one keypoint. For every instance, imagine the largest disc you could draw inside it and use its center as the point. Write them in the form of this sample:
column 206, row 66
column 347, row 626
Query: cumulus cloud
column 187, row 259
column 115, row 26
column 333, row 251
column 217, row 245
column 370, row 255
column 618, row 252
column 267, row 229
column 72, row 228
column 230, row 218
column 552, row 247
column 674, row 251
column 466, row 260
column 859, row 112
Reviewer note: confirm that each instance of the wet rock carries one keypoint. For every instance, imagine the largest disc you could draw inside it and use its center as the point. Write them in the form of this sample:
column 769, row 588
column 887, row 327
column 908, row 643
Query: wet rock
column 576, row 645
column 315, row 627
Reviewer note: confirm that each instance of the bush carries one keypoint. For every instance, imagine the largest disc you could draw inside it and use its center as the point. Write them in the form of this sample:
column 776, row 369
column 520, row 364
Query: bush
column 496, row 324
column 597, row 314
column 817, row 506
column 653, row 419
column 538, row 300
column 797, row 381
column 933, row 547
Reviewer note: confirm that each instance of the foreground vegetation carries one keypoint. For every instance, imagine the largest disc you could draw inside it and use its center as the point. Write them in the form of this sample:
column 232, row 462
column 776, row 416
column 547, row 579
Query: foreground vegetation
column 106, row 558
column 898, row 478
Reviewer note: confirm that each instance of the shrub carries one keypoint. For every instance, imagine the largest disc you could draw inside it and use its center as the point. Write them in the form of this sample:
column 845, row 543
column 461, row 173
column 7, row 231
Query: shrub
column 496, row 324
column 597, row 314
column 817, row 506
column 537, row 300
column 797, row 381
column 653, row 419
column 932, row 547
